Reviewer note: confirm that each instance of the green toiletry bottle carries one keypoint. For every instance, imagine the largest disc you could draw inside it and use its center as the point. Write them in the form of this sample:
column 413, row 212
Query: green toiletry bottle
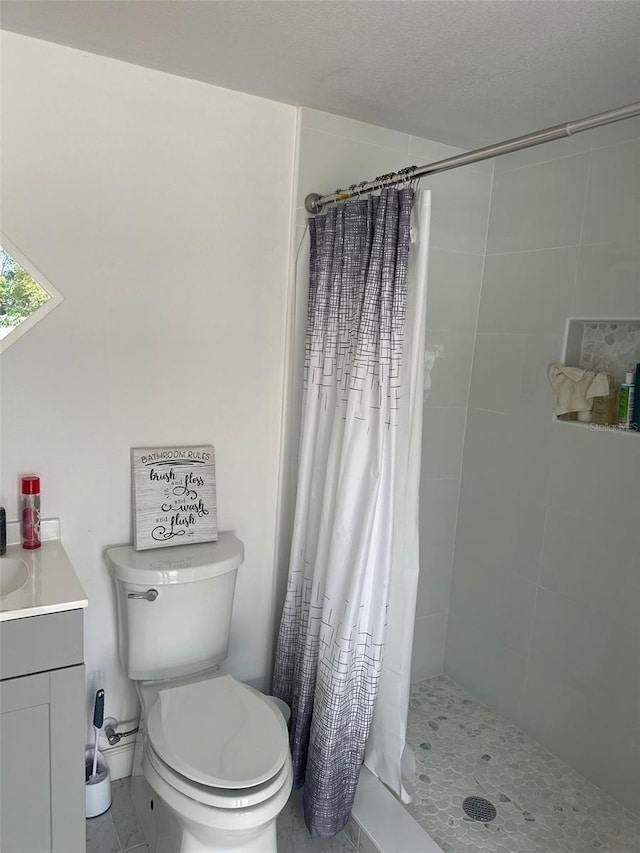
column 626, row 408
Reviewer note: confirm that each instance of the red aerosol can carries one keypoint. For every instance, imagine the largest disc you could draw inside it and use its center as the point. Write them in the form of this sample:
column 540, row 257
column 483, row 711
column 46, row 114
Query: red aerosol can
column 30, row 513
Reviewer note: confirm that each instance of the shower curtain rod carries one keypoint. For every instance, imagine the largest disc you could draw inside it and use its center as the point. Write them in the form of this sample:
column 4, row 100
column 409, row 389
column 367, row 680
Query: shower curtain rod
column 315, row 202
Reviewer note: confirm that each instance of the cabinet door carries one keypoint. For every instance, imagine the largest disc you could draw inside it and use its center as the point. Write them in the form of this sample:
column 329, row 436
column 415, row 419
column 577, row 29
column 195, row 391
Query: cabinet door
column 42, row 763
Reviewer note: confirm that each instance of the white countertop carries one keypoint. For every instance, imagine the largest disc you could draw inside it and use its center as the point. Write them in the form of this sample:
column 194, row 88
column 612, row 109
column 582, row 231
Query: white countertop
column 51, row 586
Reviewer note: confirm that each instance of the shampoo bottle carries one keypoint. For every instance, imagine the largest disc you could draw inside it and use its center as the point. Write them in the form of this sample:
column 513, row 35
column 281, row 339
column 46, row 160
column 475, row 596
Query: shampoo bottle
column 635, row 419
column 626, row 408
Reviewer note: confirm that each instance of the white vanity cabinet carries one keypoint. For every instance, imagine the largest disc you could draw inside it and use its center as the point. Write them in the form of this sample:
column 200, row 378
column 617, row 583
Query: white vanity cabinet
column 42, row 698
column 42, row 705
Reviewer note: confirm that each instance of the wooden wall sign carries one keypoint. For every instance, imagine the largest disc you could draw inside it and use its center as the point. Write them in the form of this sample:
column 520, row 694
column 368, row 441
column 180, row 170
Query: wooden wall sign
column 174, row 496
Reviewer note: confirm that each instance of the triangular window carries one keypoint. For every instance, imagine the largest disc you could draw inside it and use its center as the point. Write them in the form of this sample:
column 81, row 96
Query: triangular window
column 25, row 295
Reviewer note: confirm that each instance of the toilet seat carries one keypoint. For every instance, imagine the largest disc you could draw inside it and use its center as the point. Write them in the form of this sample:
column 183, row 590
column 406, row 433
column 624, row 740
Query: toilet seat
column 225, row 799
column 219, row 734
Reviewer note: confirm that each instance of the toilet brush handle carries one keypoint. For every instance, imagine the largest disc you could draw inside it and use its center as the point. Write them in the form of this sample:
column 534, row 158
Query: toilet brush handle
column 98, row 719
column 98, row 710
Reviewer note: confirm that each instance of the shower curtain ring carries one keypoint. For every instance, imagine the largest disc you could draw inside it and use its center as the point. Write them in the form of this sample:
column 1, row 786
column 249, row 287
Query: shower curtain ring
column 410, row 177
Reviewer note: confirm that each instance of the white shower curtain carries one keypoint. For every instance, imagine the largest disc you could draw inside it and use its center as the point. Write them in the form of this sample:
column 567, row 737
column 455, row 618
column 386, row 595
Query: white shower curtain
column 354, row 556
column 387, row 754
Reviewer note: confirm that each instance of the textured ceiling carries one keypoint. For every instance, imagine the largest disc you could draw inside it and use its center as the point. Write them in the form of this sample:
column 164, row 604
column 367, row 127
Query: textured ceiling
column 467, row 73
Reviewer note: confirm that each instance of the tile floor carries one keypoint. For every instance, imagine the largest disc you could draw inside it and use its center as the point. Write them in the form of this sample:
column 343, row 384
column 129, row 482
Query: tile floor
column 543, row 806
column 118, row 829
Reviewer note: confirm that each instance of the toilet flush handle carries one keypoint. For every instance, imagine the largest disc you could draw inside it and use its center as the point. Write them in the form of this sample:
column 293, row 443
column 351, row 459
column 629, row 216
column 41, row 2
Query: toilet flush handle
column 149, row 595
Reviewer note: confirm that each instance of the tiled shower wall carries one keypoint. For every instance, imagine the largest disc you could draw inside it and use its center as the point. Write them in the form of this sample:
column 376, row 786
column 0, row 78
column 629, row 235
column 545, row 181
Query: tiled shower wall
column 545, row 601
column 612, row 348
column 460, row 209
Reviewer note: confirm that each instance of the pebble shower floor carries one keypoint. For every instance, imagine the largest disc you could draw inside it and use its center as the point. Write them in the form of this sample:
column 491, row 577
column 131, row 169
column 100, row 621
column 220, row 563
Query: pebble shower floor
column 543, row 806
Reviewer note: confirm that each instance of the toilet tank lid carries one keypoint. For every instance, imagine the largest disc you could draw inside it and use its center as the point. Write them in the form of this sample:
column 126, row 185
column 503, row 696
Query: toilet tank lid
column 179, row 564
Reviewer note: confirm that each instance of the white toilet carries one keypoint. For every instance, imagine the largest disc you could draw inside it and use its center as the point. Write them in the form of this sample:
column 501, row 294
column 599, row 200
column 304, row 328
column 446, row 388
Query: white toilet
column 216, row 751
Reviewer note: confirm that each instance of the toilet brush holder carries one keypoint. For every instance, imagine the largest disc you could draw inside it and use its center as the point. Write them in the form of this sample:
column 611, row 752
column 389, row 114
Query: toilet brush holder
column 97, row 788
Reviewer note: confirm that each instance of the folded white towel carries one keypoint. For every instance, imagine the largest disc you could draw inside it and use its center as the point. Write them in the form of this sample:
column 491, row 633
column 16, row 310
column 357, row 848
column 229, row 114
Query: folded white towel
column 575, row 388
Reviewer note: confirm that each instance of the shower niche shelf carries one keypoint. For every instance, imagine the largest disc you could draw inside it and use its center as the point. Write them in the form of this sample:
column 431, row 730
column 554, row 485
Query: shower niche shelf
column 608, row 345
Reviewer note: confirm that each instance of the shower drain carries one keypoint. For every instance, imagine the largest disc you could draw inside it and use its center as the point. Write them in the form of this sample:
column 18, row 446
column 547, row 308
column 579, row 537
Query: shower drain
column 477, row 808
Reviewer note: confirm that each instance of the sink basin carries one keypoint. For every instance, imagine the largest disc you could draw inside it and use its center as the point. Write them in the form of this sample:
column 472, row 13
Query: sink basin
column 13, row 575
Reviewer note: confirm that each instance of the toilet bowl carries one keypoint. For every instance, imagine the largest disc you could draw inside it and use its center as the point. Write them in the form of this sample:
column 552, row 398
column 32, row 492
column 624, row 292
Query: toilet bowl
column 216, row 751
column 211, row 829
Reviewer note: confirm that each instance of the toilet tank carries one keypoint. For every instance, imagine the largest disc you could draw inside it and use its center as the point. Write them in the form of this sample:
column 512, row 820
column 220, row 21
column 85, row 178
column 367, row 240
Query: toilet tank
column 185, row 627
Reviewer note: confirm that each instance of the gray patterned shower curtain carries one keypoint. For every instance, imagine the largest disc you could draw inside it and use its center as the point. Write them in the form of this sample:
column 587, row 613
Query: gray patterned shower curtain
column 329, row 656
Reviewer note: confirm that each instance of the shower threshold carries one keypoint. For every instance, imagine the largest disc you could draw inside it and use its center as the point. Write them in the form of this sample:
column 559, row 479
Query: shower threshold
column 379, row 823
column 465, row 750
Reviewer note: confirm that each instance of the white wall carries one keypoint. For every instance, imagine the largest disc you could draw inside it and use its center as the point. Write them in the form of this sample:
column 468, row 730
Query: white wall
column 460, row 208
column 336, row 152
column 544, row 620
column 160, row 208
